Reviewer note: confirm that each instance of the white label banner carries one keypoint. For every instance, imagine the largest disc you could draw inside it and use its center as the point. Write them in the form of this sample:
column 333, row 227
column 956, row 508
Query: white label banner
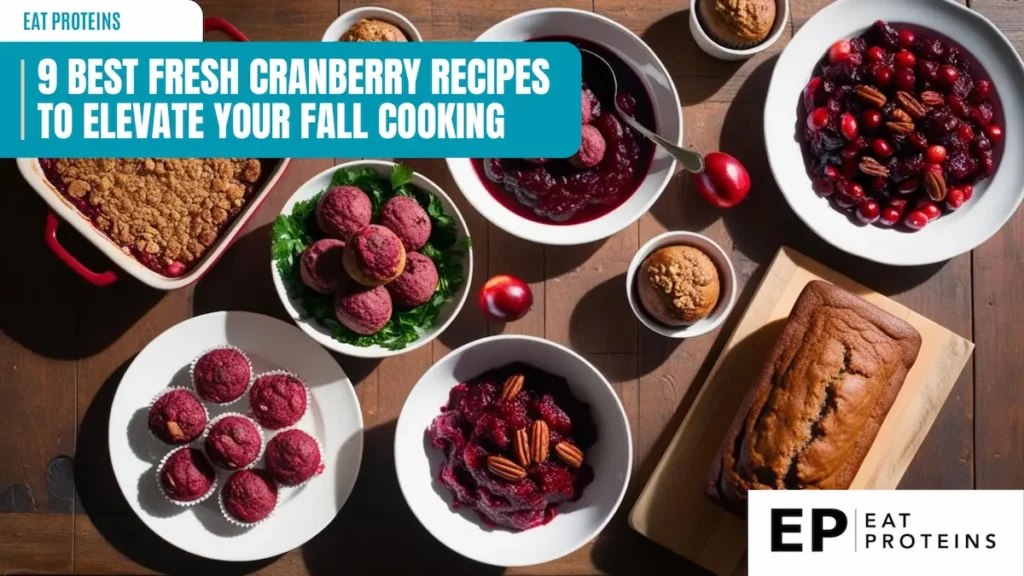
column 857, row 532
column 100, row 21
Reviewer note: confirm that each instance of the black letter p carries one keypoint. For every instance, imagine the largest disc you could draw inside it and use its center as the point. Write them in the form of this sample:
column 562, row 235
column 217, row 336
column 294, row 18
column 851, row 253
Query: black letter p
column 818, row 532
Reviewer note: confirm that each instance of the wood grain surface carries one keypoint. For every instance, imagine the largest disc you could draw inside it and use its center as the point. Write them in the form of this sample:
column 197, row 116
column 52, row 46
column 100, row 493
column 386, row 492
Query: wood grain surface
column 64, row 344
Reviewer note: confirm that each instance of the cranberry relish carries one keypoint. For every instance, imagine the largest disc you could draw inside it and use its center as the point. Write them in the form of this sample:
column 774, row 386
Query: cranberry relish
column 557, row 192
column 477, row 424
column 898, row 126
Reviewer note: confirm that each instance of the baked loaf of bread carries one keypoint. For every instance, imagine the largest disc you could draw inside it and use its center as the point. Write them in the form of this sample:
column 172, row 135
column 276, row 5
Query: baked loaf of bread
column 812, row 416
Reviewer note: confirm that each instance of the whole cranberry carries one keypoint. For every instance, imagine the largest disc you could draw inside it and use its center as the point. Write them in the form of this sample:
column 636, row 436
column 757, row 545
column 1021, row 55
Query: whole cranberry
column 889, row 216
column 813, row 93
column 849, row 194
column 848, row 126
column 724, row 182
column 935, row 154
column 908, row 186
column 872, row 119
column 882, row 75
column 868, row 211
column 881, row 147
column 965, row 133
column 906, row 59
column 839, row 51
column 832, row 173
column 817, row 119
column 917, row 140
column 957, row 106
column 948, row 75
column 968, row 191
column 907, row 39
column 995, row 133
column 876, row 54
column 982, row 90
column 929, row 70
column 854, row 148
column 916, row 220
column 905, row 79
column 505, row 298
column 899, row 204
column 930, row 209
column 955, row 198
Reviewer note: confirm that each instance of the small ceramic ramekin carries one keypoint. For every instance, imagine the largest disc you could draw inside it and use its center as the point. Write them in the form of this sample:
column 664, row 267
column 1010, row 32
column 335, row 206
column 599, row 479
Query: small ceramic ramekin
column 342, row 23
column 716, row 50
column 726, row 279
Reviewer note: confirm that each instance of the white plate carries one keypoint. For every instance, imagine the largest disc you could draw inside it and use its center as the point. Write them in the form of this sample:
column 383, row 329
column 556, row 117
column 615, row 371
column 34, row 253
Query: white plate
column 418, row 463
column 994, row 201
column 318, row 184
column 333, row 417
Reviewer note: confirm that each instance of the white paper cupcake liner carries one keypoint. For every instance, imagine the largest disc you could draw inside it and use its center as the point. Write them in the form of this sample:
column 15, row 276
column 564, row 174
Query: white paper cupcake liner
column 263, row 440
column 160, row 485
column 192, row 373
column 236, row 521
column 323, row 463
column 166, row 391
column 309, row 398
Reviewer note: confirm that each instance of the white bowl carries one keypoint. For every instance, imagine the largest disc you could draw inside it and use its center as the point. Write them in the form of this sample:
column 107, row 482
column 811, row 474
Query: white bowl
column 716, row 50
column 342, row 23
column 667, row 111
column 321, row 182
column 726, row 280
column 995, row 199
column 418, row 463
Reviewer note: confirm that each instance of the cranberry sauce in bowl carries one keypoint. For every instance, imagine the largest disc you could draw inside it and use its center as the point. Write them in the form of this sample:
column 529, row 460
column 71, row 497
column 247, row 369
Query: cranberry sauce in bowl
column 560, row 191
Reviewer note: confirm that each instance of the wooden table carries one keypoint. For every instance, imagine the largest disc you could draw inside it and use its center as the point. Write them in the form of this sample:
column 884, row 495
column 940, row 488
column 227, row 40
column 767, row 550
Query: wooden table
column 65, row 345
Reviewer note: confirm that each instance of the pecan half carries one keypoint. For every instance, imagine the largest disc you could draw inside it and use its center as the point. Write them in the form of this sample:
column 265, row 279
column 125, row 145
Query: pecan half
column 505, row 468
column 569, row 454
column 512, row 386
column 175, row 431
column 522, row 446
column 932, row 98
column 540, row 437
column 900, row 127
column 935, row 185
column 899, row 115
column 871, row 95
column 871, row 167
column 911, row 105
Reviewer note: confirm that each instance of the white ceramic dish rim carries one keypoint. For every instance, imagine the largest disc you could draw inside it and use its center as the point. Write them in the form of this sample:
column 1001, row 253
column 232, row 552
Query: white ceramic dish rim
column 342, row 23
column 466, row 178
column 727, row 279
column 951, row 235
column 307, row 190
column 778, row 27
column 33, row 174
column 404, row 422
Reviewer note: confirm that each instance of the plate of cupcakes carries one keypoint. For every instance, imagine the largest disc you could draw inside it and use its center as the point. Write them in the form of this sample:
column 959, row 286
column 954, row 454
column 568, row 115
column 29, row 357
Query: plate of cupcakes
column 235, row 437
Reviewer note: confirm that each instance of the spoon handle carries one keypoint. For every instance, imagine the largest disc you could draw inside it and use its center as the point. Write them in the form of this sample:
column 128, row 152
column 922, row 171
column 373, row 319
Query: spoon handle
column 690, row 160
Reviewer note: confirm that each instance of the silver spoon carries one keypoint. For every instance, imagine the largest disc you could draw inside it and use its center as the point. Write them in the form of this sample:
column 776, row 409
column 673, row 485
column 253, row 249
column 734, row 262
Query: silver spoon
column 691, row 161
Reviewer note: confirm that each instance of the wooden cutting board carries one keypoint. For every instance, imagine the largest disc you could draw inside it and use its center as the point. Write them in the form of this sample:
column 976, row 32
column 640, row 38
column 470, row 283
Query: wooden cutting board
column 672, row 509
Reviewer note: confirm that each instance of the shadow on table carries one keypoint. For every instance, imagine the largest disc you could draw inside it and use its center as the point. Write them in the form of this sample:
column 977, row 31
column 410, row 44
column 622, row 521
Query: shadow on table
column 241, row 280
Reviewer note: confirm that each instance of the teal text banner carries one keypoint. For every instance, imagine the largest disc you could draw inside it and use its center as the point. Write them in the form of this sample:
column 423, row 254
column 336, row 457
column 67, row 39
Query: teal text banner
column 290, row 99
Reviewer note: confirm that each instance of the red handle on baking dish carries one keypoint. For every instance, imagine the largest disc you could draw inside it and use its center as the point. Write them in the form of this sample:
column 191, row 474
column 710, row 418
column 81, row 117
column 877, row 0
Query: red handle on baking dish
column 216, row 24
column 96, row 279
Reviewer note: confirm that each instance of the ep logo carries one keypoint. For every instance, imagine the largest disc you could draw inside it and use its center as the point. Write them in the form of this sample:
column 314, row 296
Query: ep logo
column 790, row 521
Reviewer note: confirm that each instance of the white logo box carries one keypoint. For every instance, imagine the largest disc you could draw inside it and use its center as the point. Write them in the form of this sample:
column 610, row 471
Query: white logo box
column 138, row 20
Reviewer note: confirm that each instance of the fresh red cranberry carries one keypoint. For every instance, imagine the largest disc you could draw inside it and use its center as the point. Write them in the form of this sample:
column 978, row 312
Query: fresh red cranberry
column 849, row 194
column 882, row 75
column 929, row 70
column 957, row 106
column 965, row 133
column 839, row 51
column 889, row 216
column 981, row 92
column 968, row 191
column 916, row 220
column 905, row 80
column 995, row 133
column 881, row 148
column 907, row 39
column 899, row 204
column 817, row 119
column 955, row 198
column 813, row 93
column 949, row 75
column 848, row 126
column 906, row 59
column 935, row 154
column 872, row 119
column 908, row 186
column 832, row 173
column 854, row 148
column 929, row 208
column 505, row 298
column 724, row 182
column 876, row 54
column 917, row 140
column 868, row 211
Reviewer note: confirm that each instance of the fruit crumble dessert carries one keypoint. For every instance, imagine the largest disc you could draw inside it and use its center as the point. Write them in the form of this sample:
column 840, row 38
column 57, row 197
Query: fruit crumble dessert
column 164, row 212
column 515, row 439
column 899, row 125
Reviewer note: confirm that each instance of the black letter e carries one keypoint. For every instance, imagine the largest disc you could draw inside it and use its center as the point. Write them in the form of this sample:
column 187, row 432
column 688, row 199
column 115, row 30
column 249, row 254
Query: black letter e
column 778, row 529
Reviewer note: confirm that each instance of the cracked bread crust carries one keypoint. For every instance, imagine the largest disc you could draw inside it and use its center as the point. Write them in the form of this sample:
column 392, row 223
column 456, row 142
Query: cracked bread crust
column 828, row 385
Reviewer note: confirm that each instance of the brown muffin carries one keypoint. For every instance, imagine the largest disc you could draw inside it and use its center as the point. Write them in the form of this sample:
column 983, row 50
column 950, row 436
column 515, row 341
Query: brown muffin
column 374, row 31
column 737, row 23
column 678, row 285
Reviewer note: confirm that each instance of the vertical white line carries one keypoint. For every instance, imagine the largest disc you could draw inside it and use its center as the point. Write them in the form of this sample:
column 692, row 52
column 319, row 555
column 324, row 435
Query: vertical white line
column 22, row 99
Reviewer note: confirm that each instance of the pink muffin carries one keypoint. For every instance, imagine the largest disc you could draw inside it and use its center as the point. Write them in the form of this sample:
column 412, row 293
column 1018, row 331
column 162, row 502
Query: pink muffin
column 177, row 417
column 234, row 442
column 221, row 375
column 408, row 220
column 343, row 211
column 592, row 148
column 374, row 256
column 321, row 265
column 363, row 310
column 293, row 457
column 417, row 283
column 186, row 475
column 249, row 496
column 278, row 400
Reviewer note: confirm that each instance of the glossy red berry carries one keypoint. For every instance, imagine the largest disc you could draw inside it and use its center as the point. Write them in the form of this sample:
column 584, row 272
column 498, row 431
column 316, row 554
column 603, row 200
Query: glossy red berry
column 899, row 204
column 906, row 59
column 876, row 54
column 936, row 168
column 907, row 38
column 916, row 220
column 854, row 148
column 930, row 209
column 881, row 148
column 868, row 211
column 908, row 186
column 981, row 91
column 955, row 198
column 957, row 106
column 879, row 184
column 889, row 216
column 965, row 133
column 882, row 75
column 839, row 51
column 935, row 154
column 813, row 94
column 995, row 133
column 968, row 191
column 872, row 119
column 817, row 119
column 849, row 194
column 905, row 80
column 848, row 126
column 917, row 140
column 949, row 75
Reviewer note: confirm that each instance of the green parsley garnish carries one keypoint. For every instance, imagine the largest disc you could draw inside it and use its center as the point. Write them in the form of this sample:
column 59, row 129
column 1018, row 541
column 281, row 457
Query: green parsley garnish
column 292, row 233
